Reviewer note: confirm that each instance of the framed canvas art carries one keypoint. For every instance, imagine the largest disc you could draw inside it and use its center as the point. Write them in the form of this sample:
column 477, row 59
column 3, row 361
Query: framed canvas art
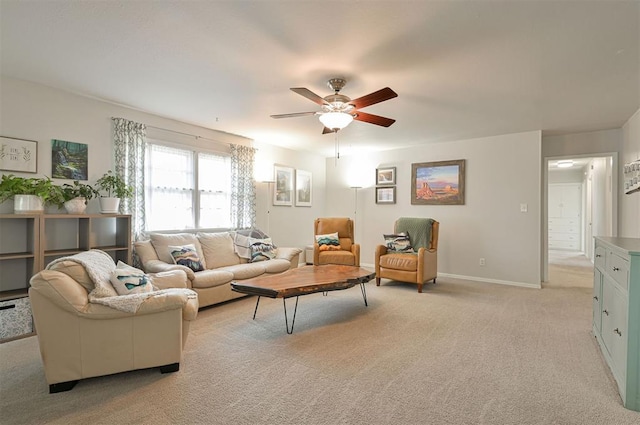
column 69, row 160
column 303, row 188
column 385, row 176
column 18, row 155
column 283, row 193
column 438, row 183
column 386, row 195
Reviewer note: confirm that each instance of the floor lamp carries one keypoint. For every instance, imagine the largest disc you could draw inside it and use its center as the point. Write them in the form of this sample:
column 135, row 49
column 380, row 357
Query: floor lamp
column 355, row 209
column 269, row 183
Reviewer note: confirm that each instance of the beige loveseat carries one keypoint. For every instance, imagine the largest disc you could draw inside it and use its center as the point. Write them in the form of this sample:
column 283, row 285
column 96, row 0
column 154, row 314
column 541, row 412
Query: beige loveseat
column 222, row 264
column 80, row 339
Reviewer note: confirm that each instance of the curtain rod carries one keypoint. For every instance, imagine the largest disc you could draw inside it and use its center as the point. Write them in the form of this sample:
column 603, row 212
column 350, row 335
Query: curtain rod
column 184, row 134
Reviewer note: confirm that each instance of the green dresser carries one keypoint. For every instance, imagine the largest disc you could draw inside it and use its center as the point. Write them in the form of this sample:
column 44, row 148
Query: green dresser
column 616, row 312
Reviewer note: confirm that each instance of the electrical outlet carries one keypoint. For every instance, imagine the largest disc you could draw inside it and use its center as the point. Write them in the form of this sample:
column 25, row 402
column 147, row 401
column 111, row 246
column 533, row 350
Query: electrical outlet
column 482, row 262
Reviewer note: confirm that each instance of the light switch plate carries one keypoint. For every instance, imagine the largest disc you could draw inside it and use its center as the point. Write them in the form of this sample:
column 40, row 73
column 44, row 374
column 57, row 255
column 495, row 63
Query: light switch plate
column 524, row 208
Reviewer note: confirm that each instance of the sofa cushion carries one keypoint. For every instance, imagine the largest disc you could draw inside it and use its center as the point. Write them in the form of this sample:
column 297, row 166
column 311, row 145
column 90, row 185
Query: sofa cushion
column 277, row 265
column 75, row 271
column 218, row 250
column 161, row 243
column 127, row 280
column 186, row 255
column 211, row 278
column 246, row 271
column 261, row 250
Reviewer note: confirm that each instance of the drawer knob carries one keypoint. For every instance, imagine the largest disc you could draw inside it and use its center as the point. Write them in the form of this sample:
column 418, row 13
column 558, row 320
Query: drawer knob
column 598, row 255
column 605, row 312
column 615, row 269
column 595, row 298
column 616, row 330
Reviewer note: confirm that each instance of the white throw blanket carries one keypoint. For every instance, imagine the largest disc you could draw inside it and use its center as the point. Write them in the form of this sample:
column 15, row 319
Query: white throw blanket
column 99, row 266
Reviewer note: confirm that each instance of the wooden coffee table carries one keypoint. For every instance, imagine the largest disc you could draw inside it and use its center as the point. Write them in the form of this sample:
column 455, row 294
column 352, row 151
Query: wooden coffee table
column 303, row 281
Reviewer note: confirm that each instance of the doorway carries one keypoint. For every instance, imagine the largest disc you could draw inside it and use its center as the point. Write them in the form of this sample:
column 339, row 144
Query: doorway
column 579, row 202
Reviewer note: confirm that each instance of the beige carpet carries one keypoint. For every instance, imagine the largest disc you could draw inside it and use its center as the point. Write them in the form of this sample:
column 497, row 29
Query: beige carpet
column 460, row 353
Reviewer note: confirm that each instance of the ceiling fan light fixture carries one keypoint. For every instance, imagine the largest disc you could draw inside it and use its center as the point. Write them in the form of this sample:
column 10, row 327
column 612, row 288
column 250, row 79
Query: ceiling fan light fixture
column 335, row 120
column 565, row 163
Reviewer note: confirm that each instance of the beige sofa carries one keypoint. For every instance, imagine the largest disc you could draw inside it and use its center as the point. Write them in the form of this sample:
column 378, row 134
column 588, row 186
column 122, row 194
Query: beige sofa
column 222, row 264
column 80, row 339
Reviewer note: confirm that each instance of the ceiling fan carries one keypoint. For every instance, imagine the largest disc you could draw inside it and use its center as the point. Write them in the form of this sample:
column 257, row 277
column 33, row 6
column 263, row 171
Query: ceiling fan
column 339, row 110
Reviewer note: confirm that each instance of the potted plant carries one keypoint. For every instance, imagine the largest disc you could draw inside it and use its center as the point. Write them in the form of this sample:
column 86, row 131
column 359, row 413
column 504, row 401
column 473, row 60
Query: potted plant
column 30, row 194
column 74, row 197
column 116, row 189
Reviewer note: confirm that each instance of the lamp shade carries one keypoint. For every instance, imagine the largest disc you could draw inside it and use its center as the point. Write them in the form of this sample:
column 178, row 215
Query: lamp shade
column 335, row 120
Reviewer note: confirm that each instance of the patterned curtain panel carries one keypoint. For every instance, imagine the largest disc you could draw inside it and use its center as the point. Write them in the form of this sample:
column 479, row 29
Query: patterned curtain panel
column 243, row 189
column 129, row 144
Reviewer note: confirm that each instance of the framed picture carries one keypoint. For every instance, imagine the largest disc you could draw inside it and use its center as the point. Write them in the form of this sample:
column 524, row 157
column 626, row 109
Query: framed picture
column 386, row 195
column 69, row 160
column 283, row 193
column 18, row 155
column 437, row 183
column 303, row 188
column 385, row 176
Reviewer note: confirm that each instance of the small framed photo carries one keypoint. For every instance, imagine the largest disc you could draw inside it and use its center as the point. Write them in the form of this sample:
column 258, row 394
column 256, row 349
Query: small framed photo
column 385, row 176
column 283, row 193
column 386, row 195
column 18, row 155
column 303, row 188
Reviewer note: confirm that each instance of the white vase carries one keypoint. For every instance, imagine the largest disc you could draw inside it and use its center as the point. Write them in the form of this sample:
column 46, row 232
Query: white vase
column 25, row 204
column 109, row 205
column 76, row 205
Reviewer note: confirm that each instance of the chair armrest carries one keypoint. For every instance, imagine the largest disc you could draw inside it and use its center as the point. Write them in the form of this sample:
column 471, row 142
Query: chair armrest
column 427, row 262
column 61, row 290
column 157, row 266
column 380, row 250
column 170, row 279
column 170, row 299
column 355, row 250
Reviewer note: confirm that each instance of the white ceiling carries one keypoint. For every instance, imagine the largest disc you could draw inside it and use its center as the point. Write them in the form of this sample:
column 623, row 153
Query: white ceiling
column 462, row 69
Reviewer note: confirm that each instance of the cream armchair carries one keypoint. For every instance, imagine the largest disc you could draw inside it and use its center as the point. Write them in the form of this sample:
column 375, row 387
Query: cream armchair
column 419, row 266
column 349, row 253
column 80, row 339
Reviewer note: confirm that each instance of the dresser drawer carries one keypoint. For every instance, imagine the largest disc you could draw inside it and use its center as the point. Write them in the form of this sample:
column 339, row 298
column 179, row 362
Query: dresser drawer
column 563, row 237
column 600, row 257
column 15, row 318
column 569, row 245
column 555, row 221
column 618, row 269
column 564, row 229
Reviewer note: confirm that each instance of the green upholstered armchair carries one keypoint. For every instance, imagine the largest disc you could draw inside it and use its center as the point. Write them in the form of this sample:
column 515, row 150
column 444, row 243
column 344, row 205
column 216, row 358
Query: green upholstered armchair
column 419, row 266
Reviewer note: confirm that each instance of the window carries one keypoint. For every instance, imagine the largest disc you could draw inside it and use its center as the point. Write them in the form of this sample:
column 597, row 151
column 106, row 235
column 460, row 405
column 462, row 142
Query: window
column 187, row 189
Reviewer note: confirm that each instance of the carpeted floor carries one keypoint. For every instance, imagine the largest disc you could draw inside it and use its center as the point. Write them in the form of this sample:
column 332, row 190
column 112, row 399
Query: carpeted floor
column 460, row 353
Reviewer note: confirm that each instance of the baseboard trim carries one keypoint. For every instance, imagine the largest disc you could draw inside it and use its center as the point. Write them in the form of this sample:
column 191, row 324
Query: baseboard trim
column 486, row 280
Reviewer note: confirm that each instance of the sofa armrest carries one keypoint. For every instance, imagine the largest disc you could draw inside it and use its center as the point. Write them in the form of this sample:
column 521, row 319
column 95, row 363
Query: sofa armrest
column 170, row 279
column 170, row 299
column 157, row 266
column 61, row 289
column 287, row 253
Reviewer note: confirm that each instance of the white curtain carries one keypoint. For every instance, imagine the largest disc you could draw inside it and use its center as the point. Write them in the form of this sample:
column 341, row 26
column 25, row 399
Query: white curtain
column 129, row 145
column 243, row 189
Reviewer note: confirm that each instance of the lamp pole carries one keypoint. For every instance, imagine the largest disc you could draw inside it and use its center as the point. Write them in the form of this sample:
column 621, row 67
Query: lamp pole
column 355, row 209
column 269, row 183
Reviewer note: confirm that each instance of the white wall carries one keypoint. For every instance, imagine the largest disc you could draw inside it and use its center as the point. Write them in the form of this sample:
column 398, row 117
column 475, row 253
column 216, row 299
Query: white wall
column 502, row 172
column 630, row 204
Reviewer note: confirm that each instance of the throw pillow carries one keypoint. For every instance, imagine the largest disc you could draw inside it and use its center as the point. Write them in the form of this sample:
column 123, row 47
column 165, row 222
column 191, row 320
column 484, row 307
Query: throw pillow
column 186, row 255
column 127, row 280
column 398, row 242
column 328, row 242
column 261, row 250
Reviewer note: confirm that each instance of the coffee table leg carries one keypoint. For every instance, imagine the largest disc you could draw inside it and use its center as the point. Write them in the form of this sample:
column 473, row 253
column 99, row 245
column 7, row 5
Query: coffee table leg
column 364, row 294
column 256, row 310
column 286, row 320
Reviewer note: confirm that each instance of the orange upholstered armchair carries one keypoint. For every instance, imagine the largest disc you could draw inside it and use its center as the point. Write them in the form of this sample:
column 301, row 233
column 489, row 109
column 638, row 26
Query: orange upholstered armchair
column 415, row 260
column 344, row 250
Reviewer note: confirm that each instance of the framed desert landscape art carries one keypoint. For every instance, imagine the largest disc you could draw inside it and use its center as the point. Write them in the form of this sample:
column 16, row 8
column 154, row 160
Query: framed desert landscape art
column 438, row 183
column 385, row 176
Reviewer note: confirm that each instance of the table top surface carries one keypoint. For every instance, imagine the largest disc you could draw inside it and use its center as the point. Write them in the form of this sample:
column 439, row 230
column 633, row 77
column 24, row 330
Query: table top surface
column 304, row 280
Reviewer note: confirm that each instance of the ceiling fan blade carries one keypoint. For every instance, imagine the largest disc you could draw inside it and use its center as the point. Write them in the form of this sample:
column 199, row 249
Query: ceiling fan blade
column 295, row 114
column 309, row 95
column 373, row 119
column 373, row 98
column 326, row 130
